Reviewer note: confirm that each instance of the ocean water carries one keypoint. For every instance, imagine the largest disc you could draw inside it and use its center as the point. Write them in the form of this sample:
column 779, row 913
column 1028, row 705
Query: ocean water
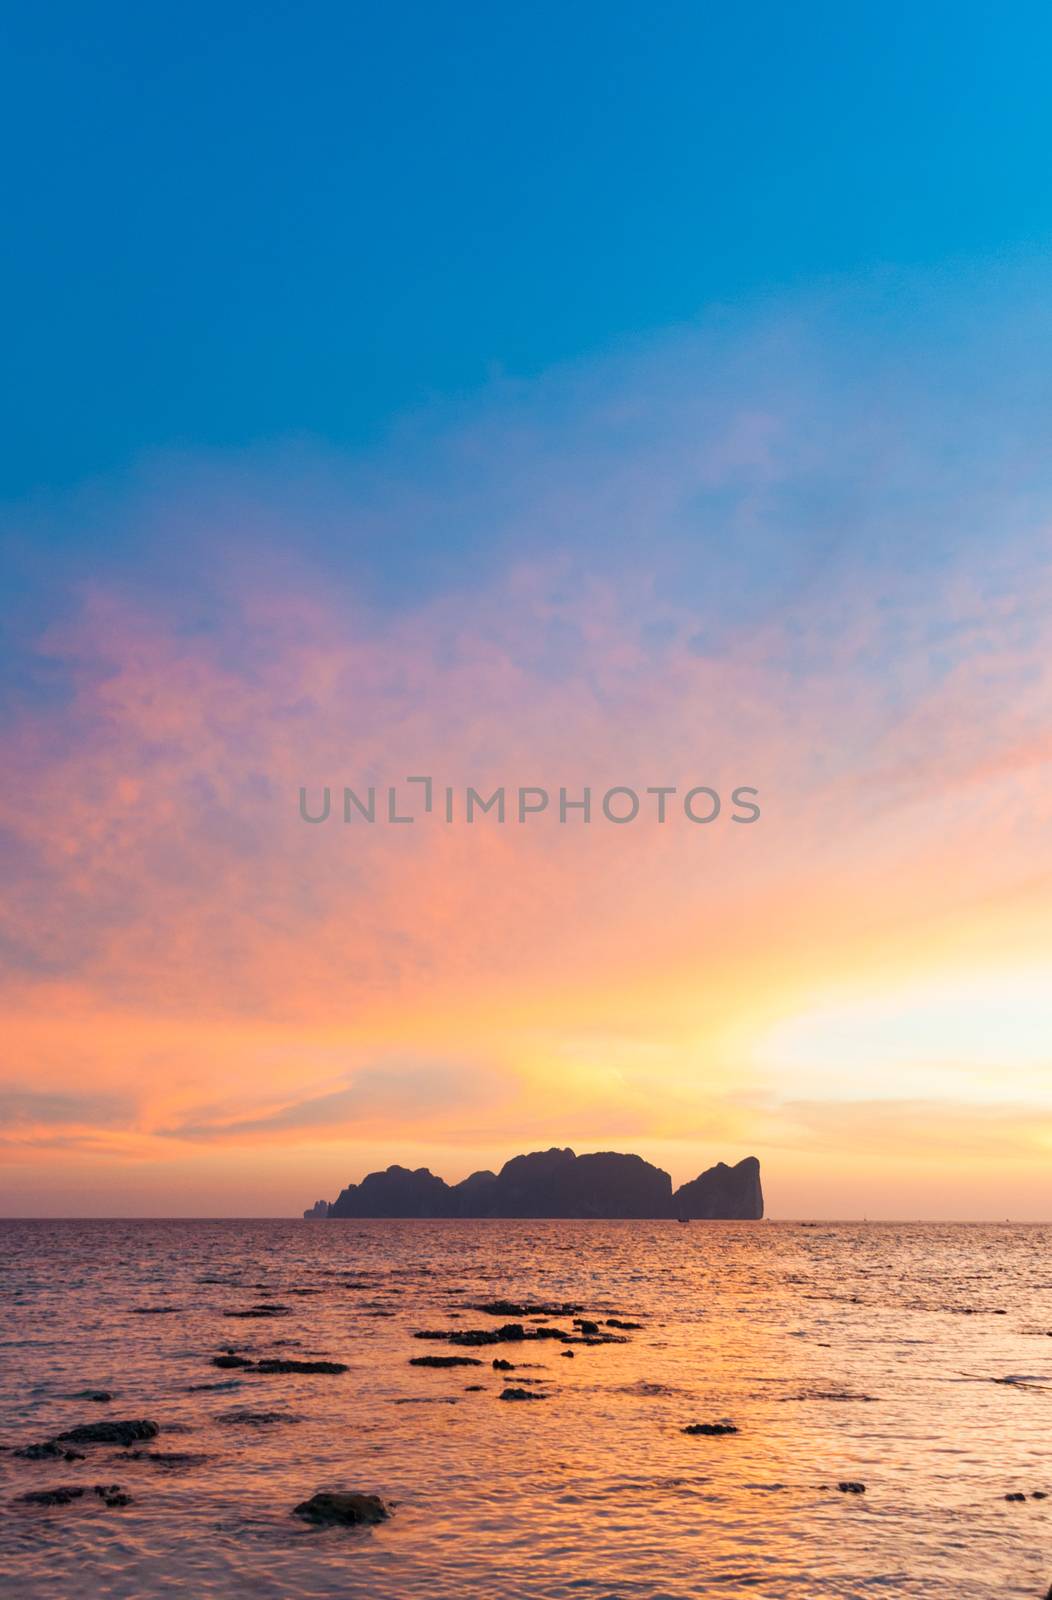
column 914, row 1359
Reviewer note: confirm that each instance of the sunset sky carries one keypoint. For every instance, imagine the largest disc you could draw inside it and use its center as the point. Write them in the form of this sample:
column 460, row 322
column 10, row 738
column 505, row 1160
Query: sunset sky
column 527, row 401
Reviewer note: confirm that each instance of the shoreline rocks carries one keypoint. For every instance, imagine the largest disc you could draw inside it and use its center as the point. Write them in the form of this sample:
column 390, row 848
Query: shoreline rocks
column 343, row 1508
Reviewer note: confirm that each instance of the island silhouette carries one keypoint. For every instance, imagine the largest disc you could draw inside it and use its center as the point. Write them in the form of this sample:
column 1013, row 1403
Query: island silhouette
column 556, row 1183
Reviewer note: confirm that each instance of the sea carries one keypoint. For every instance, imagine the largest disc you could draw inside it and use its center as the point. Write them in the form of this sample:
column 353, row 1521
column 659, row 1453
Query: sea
column 911, row 1361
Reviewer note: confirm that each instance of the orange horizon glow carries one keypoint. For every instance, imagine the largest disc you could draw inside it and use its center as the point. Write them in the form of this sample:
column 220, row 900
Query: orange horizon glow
column 231, row 1011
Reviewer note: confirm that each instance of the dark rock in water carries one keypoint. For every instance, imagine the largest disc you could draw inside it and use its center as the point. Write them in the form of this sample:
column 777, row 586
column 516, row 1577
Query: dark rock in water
column 510, row 1333
column 112, row 1495
column 320, row 1208
column 444, row 1361
column 713, row 1429
column 278, row 1364
column 109, row 1433
column 567, row 1354
column 100, row 1396
column 500, row 1365
column 556, row 1183
column 850, row 1487
column 61, row 1496
column 49, row 1450
column 723, row 1192
column 155, row 1311
column 1039, row 1494
column 520, row 1394
column 283, row 1365
column 254, row 1419
column 1007, row 1496
column 260, row 1311
column 474, row 1388
column 525, row 1308
column 344, row 1507
column 612, row 1322
column 585, row 1326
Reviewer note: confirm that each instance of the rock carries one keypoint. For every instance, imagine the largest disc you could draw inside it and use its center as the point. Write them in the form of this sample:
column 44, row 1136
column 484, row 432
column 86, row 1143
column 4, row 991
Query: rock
column 172, row 1460
column 500, row 1365
column 520, row 1394
column 395, row 1193
column 612, row 1322
column 850, row 1487
column 585, row 1326
column 320, row 1208
column 62, row 1496
column 257, row 1419
column 474, row 1388
column 345, row 1507
column 279, row 1364
column 723, row 1192
column 99, row 1396
column 567, row 1354
column 444, row 1361
column 112, row 1495
column 713, row 1429
column 155, row 1311
column 109, row 1433
column 525, row 1308
column 1007, row 1496
column 260, row 1311
column 282, row 1365
column 555, row 1183
column 1039, row 1494
column 49, row 1450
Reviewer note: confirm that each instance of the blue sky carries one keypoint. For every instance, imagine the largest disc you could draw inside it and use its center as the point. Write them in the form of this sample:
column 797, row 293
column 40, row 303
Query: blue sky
column 239, row 224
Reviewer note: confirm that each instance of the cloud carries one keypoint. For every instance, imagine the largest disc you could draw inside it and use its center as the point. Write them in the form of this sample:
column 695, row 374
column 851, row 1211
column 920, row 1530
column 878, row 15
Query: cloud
column 393, row 1091
column 27, row 1108
column 769, row 554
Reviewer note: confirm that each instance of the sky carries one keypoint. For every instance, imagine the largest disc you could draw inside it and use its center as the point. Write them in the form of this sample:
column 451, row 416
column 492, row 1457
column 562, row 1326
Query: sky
column 564, row 399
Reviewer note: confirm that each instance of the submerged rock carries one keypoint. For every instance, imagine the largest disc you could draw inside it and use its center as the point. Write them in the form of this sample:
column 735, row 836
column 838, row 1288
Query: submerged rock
column 63, row 1495
column 279, row 1364
column 265, row 1310
column 713, row 1429
column 99, row 1396
column 283, row 1365
column 257, row 1419
column 109, row 1433
column 49, row 1450
column 849, row 1486
column 111, row 1494
column 345, row 1507
column 520, row 1394
column 525, row 1308
column 444, row 1361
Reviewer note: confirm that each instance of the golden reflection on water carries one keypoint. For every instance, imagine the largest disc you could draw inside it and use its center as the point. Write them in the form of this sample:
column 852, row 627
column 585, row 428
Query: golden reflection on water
column 839, row 1353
